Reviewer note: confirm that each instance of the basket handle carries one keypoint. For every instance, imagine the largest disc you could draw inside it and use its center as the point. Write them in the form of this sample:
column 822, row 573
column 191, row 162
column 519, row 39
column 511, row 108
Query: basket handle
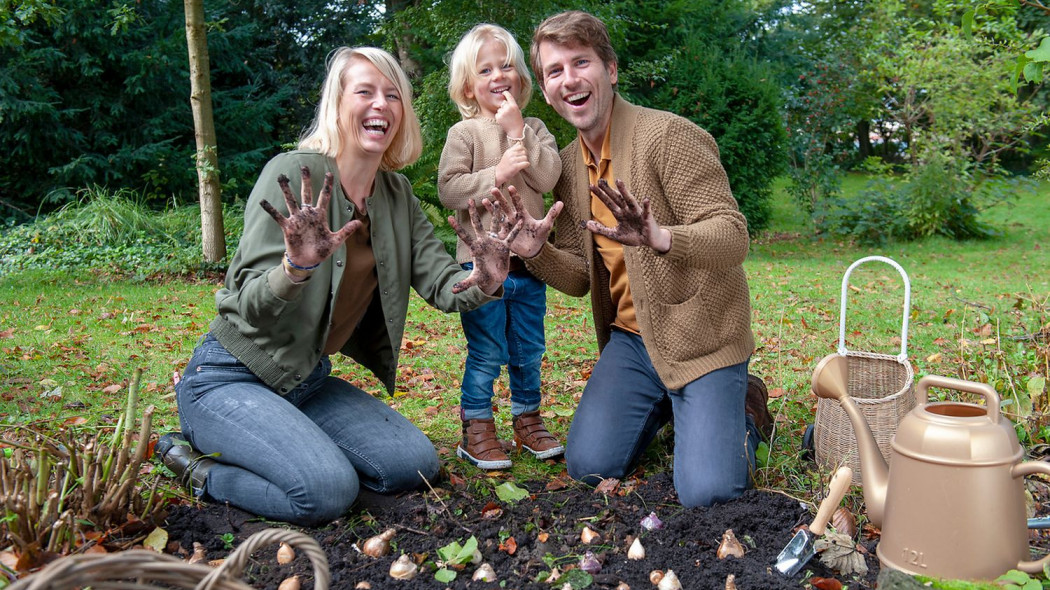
column 903, row 356
column 234, row 564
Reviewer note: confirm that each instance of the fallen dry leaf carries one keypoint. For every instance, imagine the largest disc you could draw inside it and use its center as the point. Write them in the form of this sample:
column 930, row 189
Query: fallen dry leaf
column 825, row 583
column 510, row 546
column 8, row 559
column 557, row 483
column 608, row 486
column 491, row 510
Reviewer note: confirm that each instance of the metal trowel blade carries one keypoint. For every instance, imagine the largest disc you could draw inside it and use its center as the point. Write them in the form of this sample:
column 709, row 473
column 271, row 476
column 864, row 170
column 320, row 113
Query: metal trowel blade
column 800, row 548
column 796, row 554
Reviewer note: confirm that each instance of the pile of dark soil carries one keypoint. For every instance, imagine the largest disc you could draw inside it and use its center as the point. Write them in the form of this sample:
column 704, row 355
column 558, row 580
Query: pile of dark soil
column 524, row 540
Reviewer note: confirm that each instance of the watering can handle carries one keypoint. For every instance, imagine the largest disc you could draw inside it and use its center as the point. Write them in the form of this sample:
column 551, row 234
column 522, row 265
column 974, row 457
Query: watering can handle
column 1021, row 470
column 903, row 357
column 991, row 397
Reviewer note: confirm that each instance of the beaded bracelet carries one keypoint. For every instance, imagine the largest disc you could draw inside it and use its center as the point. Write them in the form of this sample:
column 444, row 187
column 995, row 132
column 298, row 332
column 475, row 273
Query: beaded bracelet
column 288, row 260
column 517, row 139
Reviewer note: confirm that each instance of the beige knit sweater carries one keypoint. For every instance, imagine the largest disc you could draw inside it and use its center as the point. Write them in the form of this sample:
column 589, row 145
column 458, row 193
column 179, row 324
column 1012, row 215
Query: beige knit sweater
column 692, row 302
column 468, row 169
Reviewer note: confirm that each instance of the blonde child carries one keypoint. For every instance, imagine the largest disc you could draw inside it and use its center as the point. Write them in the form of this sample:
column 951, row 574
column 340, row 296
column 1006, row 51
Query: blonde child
column 494, row 146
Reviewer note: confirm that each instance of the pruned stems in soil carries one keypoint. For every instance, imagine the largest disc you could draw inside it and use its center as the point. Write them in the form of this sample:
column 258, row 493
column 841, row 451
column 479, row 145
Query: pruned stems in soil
column 53, row 487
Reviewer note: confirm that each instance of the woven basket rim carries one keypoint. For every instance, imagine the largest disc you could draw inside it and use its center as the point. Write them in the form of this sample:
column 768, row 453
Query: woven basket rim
column 906, row 388
column 111, row 570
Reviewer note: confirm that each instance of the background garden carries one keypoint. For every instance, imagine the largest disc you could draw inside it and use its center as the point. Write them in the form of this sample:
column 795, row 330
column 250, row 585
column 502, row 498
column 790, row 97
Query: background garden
column 913, row 130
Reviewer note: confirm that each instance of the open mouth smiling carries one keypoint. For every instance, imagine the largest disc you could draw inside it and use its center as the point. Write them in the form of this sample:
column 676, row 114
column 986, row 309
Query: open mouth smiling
column 578, row 98
column 376, row 126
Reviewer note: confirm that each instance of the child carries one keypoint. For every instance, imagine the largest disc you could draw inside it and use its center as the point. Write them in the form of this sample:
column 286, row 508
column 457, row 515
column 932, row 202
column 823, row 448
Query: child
column 495, row 146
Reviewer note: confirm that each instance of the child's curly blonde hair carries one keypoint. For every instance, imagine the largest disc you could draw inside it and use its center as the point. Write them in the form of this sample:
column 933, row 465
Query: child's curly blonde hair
column 464, row 60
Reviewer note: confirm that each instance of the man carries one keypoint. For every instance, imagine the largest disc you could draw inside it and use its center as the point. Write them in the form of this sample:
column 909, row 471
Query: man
column 646, row 222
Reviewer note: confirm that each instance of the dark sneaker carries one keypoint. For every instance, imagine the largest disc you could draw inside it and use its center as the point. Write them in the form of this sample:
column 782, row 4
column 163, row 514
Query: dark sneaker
column 756, row 405
column 480, row 445
column 189, row 465
column 530, row 434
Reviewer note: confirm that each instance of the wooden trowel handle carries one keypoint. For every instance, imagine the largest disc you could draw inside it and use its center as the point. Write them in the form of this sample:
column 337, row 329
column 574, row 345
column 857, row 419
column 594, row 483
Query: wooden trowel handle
column 836, row 491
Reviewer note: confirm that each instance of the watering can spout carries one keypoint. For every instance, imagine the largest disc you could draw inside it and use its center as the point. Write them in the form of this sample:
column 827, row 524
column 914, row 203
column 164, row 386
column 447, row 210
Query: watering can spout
column 830, row 381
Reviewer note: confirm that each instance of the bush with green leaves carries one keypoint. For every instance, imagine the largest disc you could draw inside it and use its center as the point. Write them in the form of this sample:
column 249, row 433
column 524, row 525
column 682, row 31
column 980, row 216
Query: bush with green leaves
column 939, row 197
column 114, row 232
column 734, row 99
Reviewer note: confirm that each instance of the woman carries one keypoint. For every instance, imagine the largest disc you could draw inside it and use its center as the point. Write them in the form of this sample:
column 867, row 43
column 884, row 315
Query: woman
column 271, row 431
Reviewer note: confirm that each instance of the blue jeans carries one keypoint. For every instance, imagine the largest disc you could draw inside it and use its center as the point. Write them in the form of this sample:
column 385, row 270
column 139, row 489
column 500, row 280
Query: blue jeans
column 299, row 458
column 505, row 332
column 625, row 403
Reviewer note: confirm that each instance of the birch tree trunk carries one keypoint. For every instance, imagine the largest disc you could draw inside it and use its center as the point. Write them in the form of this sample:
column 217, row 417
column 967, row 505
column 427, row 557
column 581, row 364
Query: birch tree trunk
column 213, row 236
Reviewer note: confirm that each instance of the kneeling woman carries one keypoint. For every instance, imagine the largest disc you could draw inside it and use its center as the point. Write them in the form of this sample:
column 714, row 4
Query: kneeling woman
column 264, row 426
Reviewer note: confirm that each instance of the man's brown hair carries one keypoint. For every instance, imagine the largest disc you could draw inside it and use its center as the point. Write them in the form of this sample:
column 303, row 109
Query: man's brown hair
column 573, row 28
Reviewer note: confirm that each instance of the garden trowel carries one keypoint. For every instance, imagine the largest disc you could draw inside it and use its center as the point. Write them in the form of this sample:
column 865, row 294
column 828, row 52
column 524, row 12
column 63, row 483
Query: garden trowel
column 800, row 548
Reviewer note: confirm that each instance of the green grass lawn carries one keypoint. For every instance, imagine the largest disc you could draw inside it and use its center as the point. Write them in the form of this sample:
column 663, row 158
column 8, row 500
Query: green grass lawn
column 69, row 344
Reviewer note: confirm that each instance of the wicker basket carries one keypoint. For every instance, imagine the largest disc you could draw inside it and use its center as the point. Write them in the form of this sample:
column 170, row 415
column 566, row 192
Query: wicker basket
column 140, row 569
column 883, row 386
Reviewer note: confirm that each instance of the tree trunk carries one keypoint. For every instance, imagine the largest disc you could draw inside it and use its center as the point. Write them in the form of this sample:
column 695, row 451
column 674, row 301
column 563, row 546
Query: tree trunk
column 864, row 138
column 404, row 40
column 213, row 236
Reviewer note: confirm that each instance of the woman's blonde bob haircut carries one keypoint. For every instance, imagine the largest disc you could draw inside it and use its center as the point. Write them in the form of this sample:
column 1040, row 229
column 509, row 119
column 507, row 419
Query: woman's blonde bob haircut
column 463, row 67
column 324, row 134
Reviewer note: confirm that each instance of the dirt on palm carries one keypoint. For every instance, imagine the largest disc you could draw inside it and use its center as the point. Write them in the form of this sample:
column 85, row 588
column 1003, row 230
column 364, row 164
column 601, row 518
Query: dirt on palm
column 525, row 540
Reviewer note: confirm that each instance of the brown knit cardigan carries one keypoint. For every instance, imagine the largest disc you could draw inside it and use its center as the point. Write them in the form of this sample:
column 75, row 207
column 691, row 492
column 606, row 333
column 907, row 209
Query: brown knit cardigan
column 467, row 169
column 692, row 302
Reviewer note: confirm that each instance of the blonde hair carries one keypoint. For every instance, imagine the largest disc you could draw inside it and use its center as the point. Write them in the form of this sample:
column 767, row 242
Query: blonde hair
column 463, row 66
column 323, row 133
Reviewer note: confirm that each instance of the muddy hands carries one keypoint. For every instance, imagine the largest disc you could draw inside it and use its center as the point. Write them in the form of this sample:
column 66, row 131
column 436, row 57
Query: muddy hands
column 307, row 239
column 534, row 231
column 491, row 249
column 635, row 223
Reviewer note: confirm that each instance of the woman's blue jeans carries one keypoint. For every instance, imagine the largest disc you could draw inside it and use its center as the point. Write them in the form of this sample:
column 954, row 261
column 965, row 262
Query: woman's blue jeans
column 505, row 332
column 625, row 403
column 299, row 458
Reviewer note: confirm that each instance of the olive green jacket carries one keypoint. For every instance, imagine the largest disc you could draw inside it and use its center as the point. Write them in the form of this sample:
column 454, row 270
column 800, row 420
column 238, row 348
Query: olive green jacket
column 278, row 328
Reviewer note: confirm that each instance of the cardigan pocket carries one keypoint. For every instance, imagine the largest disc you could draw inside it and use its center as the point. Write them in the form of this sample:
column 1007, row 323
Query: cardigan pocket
column 685, row 331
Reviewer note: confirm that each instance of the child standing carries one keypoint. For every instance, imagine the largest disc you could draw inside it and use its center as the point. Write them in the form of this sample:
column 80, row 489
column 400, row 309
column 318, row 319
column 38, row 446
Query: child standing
column 495, row 146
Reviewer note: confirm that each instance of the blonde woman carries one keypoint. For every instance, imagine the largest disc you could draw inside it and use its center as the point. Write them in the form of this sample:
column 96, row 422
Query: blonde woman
column 264, row 425
column 495, row 146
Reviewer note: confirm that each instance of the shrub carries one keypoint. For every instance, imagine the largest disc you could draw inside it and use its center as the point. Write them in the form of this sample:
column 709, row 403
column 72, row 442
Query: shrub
column 733, row 98
column 114, row 232
column 939, row 197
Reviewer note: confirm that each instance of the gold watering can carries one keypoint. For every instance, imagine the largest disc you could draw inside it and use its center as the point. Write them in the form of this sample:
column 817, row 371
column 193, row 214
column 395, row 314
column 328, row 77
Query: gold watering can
column 951, row 502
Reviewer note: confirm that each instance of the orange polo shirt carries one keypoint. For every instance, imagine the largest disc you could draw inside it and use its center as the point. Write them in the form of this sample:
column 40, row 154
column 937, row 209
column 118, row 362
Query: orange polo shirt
column 611, row 251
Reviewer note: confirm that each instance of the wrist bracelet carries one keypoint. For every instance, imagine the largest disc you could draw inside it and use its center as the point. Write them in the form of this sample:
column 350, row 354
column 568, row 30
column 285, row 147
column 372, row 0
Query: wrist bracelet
column 517, row 139
column 288, row 261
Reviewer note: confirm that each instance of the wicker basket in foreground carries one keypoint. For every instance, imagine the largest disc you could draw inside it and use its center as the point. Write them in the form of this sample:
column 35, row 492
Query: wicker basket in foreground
column 140, row 569
column 883, row 386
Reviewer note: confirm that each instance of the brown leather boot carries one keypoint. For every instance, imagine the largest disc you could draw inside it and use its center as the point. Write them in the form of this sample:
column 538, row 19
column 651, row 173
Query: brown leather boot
column 530, row 434
column 480, row 445
column 756, row 405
